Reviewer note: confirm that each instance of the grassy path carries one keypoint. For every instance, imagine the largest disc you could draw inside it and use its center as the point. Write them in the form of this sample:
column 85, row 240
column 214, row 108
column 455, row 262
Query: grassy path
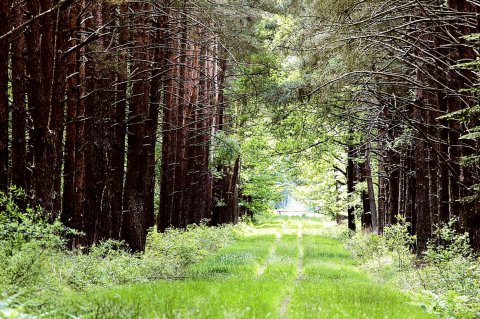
column 286, row 269
column 286, row 301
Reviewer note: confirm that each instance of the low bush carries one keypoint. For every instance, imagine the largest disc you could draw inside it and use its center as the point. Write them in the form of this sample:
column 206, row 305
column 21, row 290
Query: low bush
column 451, row 275
column 445, row 280
column 36, row 267
column 377, row 252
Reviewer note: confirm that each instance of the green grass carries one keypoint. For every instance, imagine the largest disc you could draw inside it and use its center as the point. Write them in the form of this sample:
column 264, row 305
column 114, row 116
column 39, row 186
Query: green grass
column 260, row 276
column 332, row 287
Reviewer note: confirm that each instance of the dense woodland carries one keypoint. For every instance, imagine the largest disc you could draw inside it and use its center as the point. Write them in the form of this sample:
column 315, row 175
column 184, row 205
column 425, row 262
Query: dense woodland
column 86, row 87
column 145, row 147
column 116, row 116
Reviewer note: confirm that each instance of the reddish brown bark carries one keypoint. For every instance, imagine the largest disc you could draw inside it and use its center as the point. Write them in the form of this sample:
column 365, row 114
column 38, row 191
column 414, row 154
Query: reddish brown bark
column 202, row 191
column 4, row 107
column 96, row 138
column 135, row 197
column 177, row 183
column 159, row 69
column 382, row 186
column 118, row 128
column 393, row 172
column 366, row 216
column 194, row 145
column 226, row 195
column 183, row 122
column 71, row 124
column 168, row 164
column 443, row 171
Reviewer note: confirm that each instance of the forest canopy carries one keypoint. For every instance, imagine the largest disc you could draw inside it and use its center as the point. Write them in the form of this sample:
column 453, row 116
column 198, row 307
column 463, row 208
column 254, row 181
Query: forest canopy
column 117, row 116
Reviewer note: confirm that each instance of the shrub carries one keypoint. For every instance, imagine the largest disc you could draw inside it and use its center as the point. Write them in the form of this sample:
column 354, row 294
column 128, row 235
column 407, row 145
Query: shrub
column 368, row 249
column 393, row 248
column 184, row 248
column 19, row 227
column 399, row 242
column 34, row 261
column 451, row 275
column 447, row 280
column 27, row 241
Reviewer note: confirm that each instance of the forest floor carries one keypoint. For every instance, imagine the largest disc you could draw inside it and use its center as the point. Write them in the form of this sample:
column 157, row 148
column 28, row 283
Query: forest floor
column 287, row 268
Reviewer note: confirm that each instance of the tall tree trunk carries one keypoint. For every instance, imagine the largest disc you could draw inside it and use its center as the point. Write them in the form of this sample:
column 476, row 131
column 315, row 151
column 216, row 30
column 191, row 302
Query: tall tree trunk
column 95, row 131
column 71, row 125
column 179, row 125
column 410, row 192
column 433, row 166
column 371, row 190
column 4, row 107
column 196, row 204
column 443, row 171
column 394, row 182
column 76, row 210
column 117, row 165
column 168, row 164
column 103, row 95
column 365, row 217
column 422, row 207
column 159, row 68
column 19, row 91
column 87, row 212
column 351, row 186
column 183, row 129
column 382, row 187
column 136, row 215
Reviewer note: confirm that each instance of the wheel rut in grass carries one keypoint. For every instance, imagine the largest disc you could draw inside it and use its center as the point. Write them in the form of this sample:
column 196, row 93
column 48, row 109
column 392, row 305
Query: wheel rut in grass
column 286, row 300
column 264, row 266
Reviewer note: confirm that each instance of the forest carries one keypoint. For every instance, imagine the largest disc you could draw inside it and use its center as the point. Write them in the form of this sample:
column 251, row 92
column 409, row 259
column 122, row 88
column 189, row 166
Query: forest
column 147, row 149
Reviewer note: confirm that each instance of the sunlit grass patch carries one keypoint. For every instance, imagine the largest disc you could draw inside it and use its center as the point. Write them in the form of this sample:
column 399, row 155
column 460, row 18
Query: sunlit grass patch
column 332, row 271
column 269, row 225
column 280, row 272
column 244, row 256
column 325, row 249
column 287, row 246
column 348, row 297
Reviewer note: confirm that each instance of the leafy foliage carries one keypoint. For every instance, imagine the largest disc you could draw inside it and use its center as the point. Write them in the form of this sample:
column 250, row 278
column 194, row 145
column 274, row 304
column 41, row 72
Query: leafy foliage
column 225, row 149
column 34, row 259
column 20, row 227
column 451, row 277
column 447, row 280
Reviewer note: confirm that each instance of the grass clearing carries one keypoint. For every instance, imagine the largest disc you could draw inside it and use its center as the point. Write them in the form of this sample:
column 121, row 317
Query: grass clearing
column 332, row 287
column 304, row 274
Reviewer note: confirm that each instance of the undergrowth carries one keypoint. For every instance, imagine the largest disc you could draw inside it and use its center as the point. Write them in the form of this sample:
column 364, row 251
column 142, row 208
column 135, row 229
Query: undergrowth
column 36, row 268
column 445, row 280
